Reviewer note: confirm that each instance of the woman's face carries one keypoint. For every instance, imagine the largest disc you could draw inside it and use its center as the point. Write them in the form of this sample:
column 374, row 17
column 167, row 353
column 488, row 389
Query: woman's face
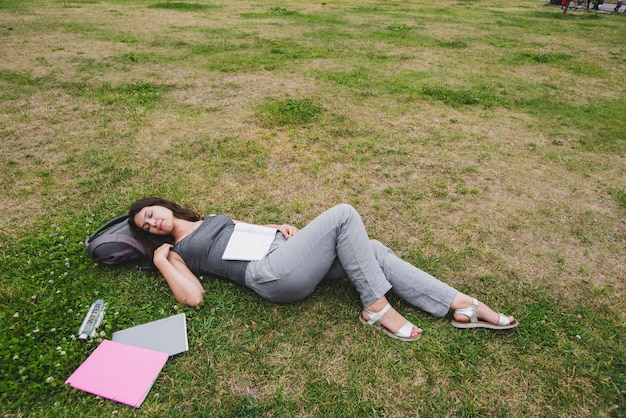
column 157, row 220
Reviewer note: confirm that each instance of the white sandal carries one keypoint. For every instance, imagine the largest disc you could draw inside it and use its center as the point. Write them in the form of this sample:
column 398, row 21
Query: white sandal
column 403, row 334
column 472, row 314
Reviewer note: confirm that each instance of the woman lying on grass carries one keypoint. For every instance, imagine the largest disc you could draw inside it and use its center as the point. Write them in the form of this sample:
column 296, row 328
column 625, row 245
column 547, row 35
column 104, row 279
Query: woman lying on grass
column 333, row 246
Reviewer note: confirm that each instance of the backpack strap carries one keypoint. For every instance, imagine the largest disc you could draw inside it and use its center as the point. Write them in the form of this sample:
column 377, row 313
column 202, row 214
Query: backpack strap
column 106, row 226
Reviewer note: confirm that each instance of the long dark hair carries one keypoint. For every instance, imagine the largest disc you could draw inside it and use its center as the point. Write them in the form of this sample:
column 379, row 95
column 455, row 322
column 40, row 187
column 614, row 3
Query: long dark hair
column 152, row 242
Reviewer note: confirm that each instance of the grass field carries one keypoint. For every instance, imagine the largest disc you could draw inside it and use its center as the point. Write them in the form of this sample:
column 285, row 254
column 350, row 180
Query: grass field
column 484, row 141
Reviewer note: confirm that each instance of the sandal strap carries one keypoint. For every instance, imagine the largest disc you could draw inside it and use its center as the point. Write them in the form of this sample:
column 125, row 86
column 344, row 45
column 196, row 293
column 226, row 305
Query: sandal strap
column 405, row 331
column 504, row 320
column 376, row 316
column 471, row 312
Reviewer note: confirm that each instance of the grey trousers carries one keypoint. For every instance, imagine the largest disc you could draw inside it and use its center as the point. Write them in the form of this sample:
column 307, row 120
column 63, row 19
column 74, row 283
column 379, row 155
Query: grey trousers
column 335, row 245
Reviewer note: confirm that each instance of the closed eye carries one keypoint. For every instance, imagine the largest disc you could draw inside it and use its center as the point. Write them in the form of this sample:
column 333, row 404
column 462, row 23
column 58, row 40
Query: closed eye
column 146, row 225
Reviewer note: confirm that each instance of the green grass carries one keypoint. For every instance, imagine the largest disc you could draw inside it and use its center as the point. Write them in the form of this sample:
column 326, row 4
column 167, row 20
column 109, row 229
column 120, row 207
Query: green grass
column 481, row 140
column 182, row 6
column 288, row 112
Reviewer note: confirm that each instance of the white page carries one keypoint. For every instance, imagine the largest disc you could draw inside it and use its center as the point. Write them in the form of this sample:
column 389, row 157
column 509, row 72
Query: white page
column 249, row 242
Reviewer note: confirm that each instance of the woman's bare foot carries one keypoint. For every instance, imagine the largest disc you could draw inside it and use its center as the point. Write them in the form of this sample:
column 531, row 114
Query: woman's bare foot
column 391, row 320
column 470, row 313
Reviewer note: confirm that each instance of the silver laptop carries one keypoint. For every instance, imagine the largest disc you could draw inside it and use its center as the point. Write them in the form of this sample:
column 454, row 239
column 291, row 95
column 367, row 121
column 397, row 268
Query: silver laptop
column 168, row 335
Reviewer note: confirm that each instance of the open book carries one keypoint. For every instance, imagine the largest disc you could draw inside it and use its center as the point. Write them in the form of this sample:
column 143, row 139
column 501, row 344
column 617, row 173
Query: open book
column 249, row 242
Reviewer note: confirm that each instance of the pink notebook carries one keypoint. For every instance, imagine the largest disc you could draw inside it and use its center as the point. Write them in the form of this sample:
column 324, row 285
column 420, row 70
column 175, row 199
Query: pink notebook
column 120, row 372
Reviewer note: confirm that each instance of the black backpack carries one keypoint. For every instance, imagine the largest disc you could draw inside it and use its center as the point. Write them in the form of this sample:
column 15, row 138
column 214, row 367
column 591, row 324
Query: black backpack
column 113, row 244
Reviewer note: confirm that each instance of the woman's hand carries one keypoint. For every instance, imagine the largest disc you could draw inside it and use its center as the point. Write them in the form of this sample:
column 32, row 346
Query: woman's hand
column 288, row 230
column 161, row 253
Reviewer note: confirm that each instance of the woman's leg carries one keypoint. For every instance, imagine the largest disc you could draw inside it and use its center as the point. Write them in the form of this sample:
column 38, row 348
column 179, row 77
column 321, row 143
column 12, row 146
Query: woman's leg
column 336, row 245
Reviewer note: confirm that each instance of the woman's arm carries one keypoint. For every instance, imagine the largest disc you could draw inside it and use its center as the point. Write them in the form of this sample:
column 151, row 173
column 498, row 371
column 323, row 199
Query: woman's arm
column 184, row 284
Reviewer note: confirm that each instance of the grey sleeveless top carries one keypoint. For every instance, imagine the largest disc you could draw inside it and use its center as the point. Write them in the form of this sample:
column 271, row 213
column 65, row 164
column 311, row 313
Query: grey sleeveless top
column 202, row 250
